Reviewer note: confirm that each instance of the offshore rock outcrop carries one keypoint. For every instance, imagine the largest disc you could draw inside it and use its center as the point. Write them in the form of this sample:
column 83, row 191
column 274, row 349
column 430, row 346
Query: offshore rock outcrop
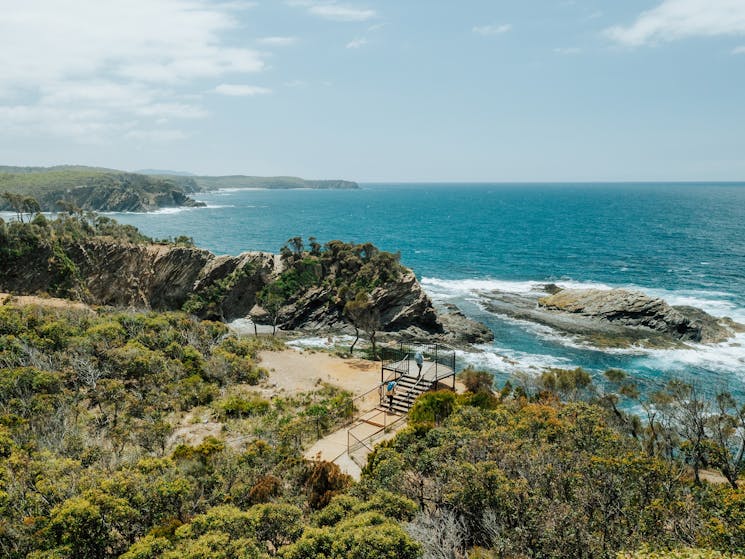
column 168, row 277
column 614, row 318
column 635, row 309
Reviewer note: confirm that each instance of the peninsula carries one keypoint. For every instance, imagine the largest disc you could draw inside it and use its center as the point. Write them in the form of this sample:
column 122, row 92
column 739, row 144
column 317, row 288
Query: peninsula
column 100, row 189
column 337, row 287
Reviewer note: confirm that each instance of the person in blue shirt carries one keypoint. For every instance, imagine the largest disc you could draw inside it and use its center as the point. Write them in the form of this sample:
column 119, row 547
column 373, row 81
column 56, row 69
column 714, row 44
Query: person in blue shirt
column 419, row 362
column 390, row 391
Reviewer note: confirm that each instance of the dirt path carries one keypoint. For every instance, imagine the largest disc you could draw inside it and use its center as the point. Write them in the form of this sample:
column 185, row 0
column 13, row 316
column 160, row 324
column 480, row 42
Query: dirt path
column 51, row 302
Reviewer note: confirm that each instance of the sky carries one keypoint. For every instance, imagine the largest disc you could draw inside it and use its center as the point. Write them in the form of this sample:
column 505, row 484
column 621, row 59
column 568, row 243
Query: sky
column 389, row 90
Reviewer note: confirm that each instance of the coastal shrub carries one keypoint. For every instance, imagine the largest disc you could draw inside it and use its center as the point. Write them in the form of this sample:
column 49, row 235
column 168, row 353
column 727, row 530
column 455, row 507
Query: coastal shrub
column 242, row 404
column 567, row 383
column 362, row 536
column 476, row 381
column 681, row 553
column 433, row 407
column 194, row 391
column 325, row 480
column 266, row 488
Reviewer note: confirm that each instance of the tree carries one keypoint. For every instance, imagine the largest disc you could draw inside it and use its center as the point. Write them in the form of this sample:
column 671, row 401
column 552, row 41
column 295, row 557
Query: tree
column 363, row 315
column 433, row 407
column 22, row 204
column 477, row 381
column 272, row 300
column 727, row 426
column 691, row 414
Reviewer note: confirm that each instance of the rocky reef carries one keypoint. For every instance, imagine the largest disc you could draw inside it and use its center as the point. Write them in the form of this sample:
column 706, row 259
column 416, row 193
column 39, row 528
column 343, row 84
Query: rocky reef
column 635, row 309
column 614, row 317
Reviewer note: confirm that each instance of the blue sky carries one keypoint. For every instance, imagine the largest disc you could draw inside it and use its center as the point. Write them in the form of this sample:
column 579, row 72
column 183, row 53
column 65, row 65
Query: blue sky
column 555, row 90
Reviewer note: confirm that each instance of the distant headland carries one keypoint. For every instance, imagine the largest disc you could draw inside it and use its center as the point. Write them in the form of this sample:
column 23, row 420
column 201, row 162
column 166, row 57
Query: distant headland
column 100, row 189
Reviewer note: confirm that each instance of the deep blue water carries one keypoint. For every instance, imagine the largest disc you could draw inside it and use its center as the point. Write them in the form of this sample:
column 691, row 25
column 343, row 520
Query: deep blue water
column 684, row 242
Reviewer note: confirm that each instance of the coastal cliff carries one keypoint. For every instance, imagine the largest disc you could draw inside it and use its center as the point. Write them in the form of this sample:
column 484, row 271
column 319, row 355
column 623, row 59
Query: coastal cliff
column 111, row 190
column 93, row 189
column 295, row 290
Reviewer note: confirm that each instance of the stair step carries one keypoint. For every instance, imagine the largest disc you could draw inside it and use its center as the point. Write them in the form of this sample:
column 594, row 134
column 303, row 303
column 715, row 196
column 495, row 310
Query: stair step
column 408, row 389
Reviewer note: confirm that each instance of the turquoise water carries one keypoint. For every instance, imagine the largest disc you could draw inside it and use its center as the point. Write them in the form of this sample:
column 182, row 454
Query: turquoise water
column 683, row 242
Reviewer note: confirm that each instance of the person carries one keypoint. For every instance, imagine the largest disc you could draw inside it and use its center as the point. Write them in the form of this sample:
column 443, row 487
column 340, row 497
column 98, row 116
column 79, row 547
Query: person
column 390, row 391
column 419, row 362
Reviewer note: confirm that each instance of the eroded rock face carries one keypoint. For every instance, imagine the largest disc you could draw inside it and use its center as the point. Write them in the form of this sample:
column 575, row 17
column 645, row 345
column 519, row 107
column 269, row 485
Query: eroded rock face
column 143, row 276
column 635, row 309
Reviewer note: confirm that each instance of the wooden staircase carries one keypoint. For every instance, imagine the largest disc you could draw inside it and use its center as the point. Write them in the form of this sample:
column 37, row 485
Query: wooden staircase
column 408, row 388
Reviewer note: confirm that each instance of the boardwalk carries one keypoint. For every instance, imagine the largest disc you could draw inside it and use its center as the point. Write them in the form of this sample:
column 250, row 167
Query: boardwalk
column 333, row 447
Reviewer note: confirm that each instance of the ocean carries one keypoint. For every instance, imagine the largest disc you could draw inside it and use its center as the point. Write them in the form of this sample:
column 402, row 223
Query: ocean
column 682, row 242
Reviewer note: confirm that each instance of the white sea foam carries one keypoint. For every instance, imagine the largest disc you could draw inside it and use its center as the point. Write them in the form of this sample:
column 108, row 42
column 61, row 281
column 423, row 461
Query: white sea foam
column 167, row 211
column 716, row 303
column 727, row 357
column 321, row 342
column 442, row 289
column 509, row 360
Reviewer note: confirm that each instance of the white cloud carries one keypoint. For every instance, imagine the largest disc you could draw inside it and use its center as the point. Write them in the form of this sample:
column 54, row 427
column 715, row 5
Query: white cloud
column 356, row 43
column 330, row 9
column 491, row 29
column 567, row 50
column 680, row 19
column 156, row 136
column 277, row 41
column 85, row 68
column 238, row 90
column 739, row 50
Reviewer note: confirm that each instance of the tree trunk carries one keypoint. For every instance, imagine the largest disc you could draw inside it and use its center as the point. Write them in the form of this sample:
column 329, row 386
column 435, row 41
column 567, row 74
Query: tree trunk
column 356, row 339
column 372, row 341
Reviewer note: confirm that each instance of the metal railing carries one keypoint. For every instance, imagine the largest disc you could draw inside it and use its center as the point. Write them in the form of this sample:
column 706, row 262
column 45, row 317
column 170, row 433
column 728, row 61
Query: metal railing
column 398, row 359
column 363, row 442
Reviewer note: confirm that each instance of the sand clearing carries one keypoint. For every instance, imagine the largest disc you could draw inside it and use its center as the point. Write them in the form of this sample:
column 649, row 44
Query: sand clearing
column 51, row 302
column 292, row 372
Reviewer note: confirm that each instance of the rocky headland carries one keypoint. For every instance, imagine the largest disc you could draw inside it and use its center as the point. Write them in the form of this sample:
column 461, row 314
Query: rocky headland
column 613, row 317
column 102, row 270
column 111, row 190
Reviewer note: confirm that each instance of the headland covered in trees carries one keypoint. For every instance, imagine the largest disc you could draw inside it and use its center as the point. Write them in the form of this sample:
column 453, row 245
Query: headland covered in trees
column 90, row 398
column 110, row 190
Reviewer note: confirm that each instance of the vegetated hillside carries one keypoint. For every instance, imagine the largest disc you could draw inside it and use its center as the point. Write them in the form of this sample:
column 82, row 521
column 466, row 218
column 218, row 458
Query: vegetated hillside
column 95, row 189
column 523, row 474
column 89, row 468
column 242, row 181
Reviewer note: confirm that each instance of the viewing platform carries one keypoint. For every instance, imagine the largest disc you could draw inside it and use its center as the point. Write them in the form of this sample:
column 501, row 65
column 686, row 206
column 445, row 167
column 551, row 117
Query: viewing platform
column 379, row 419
